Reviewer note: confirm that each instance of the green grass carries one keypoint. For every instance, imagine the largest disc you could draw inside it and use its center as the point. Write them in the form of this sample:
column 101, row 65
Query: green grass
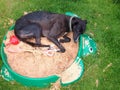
column 103, row 18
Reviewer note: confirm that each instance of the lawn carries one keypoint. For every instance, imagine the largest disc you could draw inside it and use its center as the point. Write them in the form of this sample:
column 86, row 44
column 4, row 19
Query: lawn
column 102, row 71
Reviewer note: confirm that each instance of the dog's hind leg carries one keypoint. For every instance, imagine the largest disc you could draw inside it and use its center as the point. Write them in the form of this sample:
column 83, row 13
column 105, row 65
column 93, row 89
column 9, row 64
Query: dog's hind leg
column 38, row 35
column 30, row 31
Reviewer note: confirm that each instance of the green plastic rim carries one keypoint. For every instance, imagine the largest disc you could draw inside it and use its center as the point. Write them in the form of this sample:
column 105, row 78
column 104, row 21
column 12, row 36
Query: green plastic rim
column 37, row 82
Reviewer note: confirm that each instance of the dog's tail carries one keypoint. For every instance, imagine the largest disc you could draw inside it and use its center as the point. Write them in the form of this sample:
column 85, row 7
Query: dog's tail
column 31, row 43
column 35, row 44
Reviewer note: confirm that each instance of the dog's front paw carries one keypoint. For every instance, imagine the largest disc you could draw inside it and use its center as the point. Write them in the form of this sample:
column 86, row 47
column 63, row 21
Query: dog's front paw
column 64, row 40
column 36, row 45
column 62, row 50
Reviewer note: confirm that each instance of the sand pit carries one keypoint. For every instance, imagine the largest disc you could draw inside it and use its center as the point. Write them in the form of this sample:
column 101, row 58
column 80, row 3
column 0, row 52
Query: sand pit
column 39, row 62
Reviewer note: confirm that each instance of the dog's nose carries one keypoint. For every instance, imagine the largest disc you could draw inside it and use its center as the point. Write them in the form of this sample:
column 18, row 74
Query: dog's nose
column 76, row 40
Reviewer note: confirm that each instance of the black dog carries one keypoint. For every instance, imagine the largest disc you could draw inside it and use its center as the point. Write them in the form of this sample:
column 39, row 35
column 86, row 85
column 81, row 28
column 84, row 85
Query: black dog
column 51, row 25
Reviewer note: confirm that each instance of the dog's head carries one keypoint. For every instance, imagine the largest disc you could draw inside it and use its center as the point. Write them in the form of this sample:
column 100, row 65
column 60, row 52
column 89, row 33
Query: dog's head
column 78, row 27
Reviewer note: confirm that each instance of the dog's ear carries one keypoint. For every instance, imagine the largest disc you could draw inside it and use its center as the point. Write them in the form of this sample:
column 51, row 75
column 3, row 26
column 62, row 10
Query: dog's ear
column 85, row 21
column 84, row 26
column 75, row 21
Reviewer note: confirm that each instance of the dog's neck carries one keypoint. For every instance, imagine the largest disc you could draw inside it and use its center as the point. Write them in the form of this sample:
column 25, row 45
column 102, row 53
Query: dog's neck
column 70, row 22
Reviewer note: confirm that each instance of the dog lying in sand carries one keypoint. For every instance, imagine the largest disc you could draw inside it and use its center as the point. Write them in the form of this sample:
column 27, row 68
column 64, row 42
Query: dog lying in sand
column 50, row 25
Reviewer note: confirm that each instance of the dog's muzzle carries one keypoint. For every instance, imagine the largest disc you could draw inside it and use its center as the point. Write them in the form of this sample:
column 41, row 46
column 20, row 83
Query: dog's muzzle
column 76, row 36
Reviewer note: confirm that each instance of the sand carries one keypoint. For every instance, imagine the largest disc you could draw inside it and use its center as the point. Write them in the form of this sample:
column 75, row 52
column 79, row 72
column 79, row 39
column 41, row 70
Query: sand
column 39, row 62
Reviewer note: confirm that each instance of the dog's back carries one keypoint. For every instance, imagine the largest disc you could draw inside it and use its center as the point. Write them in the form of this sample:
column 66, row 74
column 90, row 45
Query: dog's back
column 45, row 19
column 32, row 17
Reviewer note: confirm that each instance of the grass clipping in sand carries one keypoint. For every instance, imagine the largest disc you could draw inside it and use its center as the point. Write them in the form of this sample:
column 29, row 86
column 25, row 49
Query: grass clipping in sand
column 35, row 62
